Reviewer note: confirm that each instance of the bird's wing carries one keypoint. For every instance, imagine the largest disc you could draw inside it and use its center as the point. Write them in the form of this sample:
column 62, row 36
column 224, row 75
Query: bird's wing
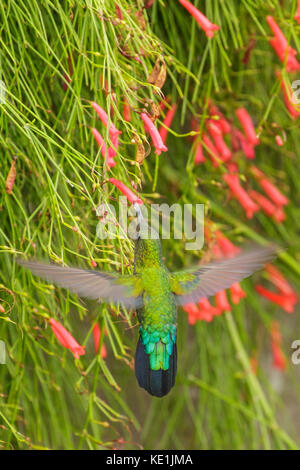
column 204, row 281
column 103, row 286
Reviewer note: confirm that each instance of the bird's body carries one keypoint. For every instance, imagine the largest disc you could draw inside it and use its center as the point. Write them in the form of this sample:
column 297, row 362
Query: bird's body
column 156, row 354
column 155, row 293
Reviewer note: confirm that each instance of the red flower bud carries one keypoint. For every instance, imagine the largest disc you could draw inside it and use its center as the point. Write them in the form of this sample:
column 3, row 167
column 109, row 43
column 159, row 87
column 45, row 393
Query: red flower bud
column 237, row 293
column 297, row 14
column 199, row 156
column 126, row 191
column 155, row 135
column 281, row 47
column 113, row 131
column 126, row 111
column 222, row 302
column 287, row 302
column 228, row 249
column 167, row 122
column 280, row 282
column 97, row 336
column 265, row 204
column 207, row 311
column 288, row 99
column 269, row 188
column 244, row 199
column 279, row 360
column 107, row 155
column 222, row 122
column 201, row 19
column 212, row 151
column 224, row 152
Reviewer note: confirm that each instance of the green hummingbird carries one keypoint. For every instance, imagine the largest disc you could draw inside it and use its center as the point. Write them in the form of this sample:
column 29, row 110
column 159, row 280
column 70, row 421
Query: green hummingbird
column 155, row 293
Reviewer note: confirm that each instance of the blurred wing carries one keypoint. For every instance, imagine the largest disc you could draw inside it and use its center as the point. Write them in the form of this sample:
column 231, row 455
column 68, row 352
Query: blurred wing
column 108, row 287
column 190, row 286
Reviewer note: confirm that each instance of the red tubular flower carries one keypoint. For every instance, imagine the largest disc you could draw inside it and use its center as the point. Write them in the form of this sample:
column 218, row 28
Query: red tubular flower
column 297, row 14
column 253, row 364
column 279, row 141
column 216, row 133
column 279, row 360
column 167, row 122
column 155, row 135
column 212, row 151
column 118, row 12
column 222, row 303
column 201, row 19
column 280, row 282
column 269, row 188
column 284, row 301
column 149, row 3
column 113, row 131
column 239, row 141
column 237, row 293
column 247, row 125
column 207, row 311
column 126, row 111
column 108, row 155
column 292, row 65
column 281, row 47
column 222, row 122
column 126, row 191
column 11, row 177
column 97, row 336
column 288, row 99
column 279, row 215
column 217, row 252
column 66, row 339
column 267, row 206
column 193, row 313
column 68, row 78
column 199, row 157
column 232, row 167
column 244, row 199
column 248, row 148
column 249, row 49
column 228, row 249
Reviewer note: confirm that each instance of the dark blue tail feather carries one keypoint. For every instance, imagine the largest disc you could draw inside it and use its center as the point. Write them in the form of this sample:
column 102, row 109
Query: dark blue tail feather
column 157, row 382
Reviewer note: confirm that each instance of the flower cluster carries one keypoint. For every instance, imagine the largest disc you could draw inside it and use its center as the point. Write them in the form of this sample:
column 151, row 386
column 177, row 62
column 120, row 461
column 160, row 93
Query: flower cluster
column 279, row 361
column 97, row 337
column 285, row 296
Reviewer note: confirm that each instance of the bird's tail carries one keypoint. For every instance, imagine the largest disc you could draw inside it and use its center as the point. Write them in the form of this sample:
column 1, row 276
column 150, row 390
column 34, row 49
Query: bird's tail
column 157, row 382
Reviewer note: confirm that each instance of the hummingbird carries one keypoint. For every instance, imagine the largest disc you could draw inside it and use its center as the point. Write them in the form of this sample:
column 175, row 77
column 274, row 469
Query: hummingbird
column 155, row 293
